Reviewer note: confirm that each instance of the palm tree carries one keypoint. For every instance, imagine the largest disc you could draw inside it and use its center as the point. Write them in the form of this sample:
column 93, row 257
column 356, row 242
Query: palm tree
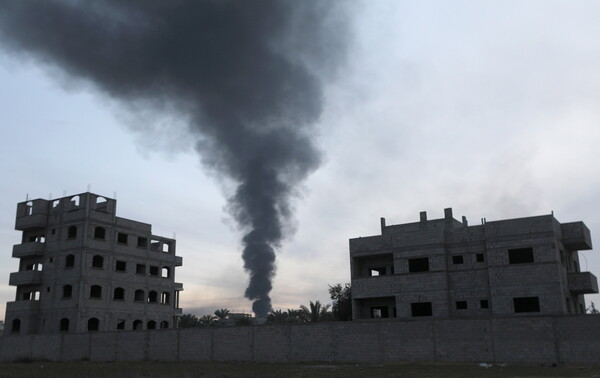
column 316, row 313
column 277, row 317
column 207, row 320
column 188, row 320
column 222, row 314
column 293, row 316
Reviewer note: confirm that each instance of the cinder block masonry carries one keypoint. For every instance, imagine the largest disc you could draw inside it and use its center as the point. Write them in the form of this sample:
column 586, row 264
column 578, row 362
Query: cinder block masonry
column 82, row 268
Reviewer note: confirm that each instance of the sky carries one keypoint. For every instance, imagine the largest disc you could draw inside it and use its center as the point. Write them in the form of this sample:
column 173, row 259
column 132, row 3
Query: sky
column 491, row 108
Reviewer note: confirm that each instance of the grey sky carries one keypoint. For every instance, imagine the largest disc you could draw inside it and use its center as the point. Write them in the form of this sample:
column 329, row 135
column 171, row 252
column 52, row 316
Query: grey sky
column 491, row 108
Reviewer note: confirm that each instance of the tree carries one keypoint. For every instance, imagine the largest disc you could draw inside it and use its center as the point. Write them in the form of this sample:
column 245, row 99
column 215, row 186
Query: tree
column 317, row 312
column 207, row 320
column 592, row 309
column 277, row 317
column 342, row 301
column 222, row 314
column 293, row 316
column 188, row 320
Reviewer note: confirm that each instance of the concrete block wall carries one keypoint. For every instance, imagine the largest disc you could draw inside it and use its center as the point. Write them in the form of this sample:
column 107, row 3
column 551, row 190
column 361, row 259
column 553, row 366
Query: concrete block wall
column 563, row 339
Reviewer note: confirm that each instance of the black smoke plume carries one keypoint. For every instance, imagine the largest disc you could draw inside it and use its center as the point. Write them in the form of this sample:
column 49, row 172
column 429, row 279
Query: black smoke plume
column 236, row 70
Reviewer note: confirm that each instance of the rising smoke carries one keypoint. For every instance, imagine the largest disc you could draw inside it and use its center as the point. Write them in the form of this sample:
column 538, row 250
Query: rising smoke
column 236, row 70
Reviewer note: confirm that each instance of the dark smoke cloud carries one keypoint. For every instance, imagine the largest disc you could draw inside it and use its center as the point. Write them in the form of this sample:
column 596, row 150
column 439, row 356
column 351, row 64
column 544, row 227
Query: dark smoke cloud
column 237, row 70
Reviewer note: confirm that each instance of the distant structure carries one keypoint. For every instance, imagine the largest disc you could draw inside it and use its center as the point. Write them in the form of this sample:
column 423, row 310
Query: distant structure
column 446, row 268
column 83, row 269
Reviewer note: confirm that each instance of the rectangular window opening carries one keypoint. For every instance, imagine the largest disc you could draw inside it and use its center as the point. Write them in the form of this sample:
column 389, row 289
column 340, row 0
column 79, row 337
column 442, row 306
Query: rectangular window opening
column 421, row 309
column 484, row 304
column 142, row 242
column 140, row 269
column 121, row 238
column 154, row 270
column 461, row 305
column 527, row 304
column 520, row 255
column 480, row 257
column 458, row 259
column 120, row 266
column 420, row 264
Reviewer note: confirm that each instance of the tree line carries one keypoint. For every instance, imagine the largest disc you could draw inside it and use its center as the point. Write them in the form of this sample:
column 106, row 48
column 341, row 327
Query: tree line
column 339, row 310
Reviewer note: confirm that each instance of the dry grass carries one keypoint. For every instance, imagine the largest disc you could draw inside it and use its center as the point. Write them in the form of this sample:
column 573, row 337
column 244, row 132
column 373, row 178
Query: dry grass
column 223, row 370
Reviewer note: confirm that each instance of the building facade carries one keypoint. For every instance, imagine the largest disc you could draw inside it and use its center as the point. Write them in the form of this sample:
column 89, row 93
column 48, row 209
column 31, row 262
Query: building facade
column 446, row 268
column 82, row 268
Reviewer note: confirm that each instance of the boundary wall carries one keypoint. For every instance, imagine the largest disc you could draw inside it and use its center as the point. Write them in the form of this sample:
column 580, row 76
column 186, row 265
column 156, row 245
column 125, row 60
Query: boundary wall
column 568, row 339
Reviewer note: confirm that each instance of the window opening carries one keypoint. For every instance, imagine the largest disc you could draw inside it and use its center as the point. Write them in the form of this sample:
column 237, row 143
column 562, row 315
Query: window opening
column 152, row 297
column 421, row 309
column 67, row 291
column 121, row 266
column 458, row 259
column 166, row 272
column 140, row 269
column 70, row 261
column 520, row 255
column 138, row 325
column 97, row 261
column 100, row 233
column 374, row 272
column 166, row 247
column 142, row 242
column 164, row 298
column 121, row 238
column 64, row 325
column 480, row 257
column 29, row 208
column 153, row 270
column 139, row 296
column 75, row 200
column 155, row 244
column 164, row 324
column 119, row 294
column 55, row 203
column 96, row 291
column 484, row 304
column 16, row 326
column 72, row 232
column 379, row 312
column 93, row 324
column 461, row 305
column 527, row 304
column 151, row 324
column 420, row 264
column 120, row 324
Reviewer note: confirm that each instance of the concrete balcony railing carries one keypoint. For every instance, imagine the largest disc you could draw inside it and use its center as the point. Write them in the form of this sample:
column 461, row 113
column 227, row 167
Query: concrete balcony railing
column 583, row 283
column 28, row 249
column 30, row 222
column 26, row 277
column 576, row 236
column 18, row 306
column 380, row 286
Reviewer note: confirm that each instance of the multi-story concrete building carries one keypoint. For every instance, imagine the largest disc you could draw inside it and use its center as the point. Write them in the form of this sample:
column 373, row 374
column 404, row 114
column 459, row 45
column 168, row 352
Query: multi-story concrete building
column 446, row 268
column 82, row 268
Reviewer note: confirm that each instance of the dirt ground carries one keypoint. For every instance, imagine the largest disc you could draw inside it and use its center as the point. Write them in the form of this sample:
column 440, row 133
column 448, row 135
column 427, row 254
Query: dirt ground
column 243, row 369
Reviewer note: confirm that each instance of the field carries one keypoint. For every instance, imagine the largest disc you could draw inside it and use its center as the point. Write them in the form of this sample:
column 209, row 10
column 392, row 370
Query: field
column 224, row 370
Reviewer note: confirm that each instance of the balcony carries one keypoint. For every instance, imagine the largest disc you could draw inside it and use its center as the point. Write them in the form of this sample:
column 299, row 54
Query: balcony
column 31, row 222
column 19, row 306
column 583, row 283
column 28, row 249
column 26, row 277
column 576, row 236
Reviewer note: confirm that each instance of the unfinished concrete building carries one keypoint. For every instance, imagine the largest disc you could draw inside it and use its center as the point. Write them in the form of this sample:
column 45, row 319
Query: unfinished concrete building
column 82, row 268
column 446, row 268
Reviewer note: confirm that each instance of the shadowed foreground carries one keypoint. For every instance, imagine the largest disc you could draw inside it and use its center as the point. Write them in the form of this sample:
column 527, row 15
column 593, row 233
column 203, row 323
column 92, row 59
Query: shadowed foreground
column 215, row 369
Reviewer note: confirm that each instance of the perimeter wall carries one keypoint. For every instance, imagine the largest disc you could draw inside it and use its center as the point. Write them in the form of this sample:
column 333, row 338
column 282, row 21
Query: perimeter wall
column 569, row 339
